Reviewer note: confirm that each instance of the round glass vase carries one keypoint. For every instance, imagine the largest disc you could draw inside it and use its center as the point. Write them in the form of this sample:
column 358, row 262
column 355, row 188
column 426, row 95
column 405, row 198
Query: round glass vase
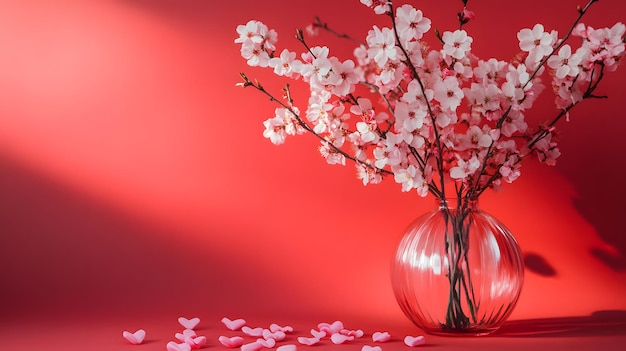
column 457, row 270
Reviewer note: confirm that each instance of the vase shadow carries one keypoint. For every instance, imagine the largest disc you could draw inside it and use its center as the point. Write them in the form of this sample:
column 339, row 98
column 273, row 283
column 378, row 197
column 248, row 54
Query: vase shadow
column 599, row 323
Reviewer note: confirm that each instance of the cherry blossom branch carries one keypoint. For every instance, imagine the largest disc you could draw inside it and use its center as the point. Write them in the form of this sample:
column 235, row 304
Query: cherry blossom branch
column 581, row 13
column 478, row 189
column 247, row 83
column 318, row 24
column 545, row 131
column 431, row 114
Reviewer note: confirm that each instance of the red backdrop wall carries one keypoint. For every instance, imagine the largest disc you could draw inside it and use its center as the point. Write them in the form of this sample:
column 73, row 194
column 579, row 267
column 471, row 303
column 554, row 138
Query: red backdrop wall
column 134, row 176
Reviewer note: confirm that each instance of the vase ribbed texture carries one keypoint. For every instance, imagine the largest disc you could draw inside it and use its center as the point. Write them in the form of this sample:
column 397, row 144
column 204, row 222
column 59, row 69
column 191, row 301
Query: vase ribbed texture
column 457, row 271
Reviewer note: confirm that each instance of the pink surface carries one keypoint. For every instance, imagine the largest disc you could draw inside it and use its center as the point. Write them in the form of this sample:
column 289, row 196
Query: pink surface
column 136, row 186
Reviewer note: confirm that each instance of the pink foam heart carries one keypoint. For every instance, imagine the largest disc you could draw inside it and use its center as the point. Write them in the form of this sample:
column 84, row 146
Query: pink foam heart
column 339, row 338
column 381, row 337
column 414, row 340
column 235, row 341
column 253, row 346
column 331, row 329
column 318, row 334
column 277, row 335
column 371, row 348
column 308, row 341
column 254, row 332
column 275, row 327
column 186, row 334
column 287, row 347
column 356, row 333
column 173, row 346
column 233, row 324
column 189, row 323
column 196, row 342
column 269, row 343
column 135, row 338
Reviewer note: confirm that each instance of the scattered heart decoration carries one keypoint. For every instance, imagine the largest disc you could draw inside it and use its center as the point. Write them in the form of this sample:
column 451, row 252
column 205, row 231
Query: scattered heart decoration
column 414, row 340
column 287, row 347
column 234, row 341
column 254, row 332
column 339, row 338
column 189, row 323
column 381, row 336
column 233, row 324
column 135, row 338
column 308, row 341
column 268, row 338
column 173, row 346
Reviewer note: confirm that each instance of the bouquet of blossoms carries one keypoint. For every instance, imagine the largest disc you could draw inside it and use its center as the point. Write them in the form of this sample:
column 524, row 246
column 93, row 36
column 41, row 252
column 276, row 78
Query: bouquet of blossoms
column 434, row 117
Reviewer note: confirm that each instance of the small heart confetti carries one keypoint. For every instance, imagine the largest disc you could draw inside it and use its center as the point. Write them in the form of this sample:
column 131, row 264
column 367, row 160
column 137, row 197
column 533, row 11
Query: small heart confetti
column 172, row 346
column 371, row 348
column 253, row 346
column 339, row 338
column 189, row 323
column 233, row 324
column 308, row 341
column 185, row 335
column 356, row 333
column 275, row 327
column 235, row 341
column 196, row 342
column 331, row 329
column 255, row 332
column 277, row 335
column 135, row 338
column 287, row 347
column 381, row 337
column 318, row 334
column 269, row 343
column 414, row 340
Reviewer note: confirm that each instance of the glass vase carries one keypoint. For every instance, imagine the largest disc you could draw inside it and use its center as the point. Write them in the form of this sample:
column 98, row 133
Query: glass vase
column 457, row 270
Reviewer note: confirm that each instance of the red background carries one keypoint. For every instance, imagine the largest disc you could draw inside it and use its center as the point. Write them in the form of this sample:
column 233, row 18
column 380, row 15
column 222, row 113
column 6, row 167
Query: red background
column 136, row 185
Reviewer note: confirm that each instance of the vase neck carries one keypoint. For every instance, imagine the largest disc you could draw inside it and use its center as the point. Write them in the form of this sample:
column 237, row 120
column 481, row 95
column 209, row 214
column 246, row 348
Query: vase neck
column 453, row 203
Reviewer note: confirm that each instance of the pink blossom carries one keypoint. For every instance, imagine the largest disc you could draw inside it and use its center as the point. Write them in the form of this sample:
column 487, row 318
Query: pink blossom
column 411, row 23
column 368, row 175
column 565, row 64
column 379, row 6
column 278, row 127
column 285, row 64
column 343, row 77
column 409, row 116
column 465, row 168
column 535, row 41
column 331, row 155
column 456, row 44
column 251, row 31
column 448, row 93
column 382, row 45
column 255, row 54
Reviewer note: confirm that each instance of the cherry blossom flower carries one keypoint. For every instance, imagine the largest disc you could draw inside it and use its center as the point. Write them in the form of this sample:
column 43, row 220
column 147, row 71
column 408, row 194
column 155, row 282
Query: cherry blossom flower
column 535, row 41
column 255, row 54
column 456, row 44
column 343, row 77
column 448, row 93
column 465, row 168
column 411, row 22
column 565, row 64
column 379, row 6
column 382, row 45
column 285, row 64
column 251, row 31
